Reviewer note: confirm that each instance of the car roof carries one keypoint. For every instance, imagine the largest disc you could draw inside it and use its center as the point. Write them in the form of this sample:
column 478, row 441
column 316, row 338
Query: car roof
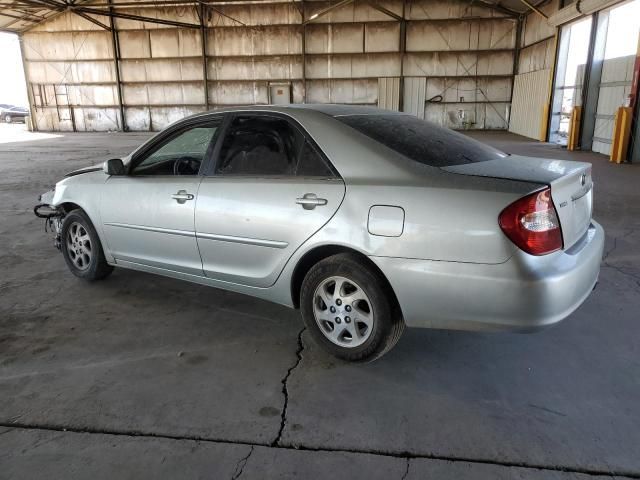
column 329, row 109
column 336, row 110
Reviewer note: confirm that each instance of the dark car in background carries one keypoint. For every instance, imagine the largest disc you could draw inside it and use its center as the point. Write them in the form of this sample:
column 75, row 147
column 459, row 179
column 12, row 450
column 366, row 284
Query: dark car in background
column 10, row 113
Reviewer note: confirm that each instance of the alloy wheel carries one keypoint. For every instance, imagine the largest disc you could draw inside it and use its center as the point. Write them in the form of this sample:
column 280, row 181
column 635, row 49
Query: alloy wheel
column 79, row 246
column 343, row 311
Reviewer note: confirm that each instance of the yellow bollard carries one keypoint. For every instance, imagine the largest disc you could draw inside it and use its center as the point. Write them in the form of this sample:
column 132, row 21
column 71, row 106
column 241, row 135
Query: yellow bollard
column 574, row 128
column 544, row 122
column 621, row 134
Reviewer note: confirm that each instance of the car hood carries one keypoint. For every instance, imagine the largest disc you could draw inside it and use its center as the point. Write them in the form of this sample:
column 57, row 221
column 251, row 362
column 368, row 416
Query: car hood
column 80, row 171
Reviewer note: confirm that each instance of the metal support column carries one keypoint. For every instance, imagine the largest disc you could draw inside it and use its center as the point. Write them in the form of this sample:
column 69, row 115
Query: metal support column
column 116, row 63
column 203, row 12
column 403, row 49
column 516, row 64
column 516, row 55
column 304, row 52
column 634, row 148
column 32, row 103
column 592, row 77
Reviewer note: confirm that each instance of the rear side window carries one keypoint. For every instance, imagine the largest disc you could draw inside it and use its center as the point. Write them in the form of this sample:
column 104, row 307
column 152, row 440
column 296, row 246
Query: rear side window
column 421, row 141
column 258, row 146
column 311, row 164
column 263, row 145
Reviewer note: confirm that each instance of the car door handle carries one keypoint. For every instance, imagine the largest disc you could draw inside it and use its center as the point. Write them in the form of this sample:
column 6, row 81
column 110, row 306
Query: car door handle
column 309, row 201
column 182, row 196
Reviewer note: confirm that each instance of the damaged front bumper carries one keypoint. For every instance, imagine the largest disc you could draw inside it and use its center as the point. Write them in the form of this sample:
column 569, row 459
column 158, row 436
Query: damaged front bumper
column 51, row 214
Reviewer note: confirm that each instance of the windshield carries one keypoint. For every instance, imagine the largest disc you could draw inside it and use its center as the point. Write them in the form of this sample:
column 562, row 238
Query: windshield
column 422, row 141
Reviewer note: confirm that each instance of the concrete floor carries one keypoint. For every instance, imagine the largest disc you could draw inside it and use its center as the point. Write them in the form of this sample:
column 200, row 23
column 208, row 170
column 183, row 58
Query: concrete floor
column 143, row 377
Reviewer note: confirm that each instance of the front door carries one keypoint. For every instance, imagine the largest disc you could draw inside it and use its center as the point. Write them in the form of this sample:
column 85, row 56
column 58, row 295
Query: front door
column 148, row 214
column 271, row 190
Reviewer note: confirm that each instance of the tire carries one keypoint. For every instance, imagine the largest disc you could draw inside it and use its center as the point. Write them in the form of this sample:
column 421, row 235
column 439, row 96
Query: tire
column 81, row 248
column 8, row 118
column 360, row 323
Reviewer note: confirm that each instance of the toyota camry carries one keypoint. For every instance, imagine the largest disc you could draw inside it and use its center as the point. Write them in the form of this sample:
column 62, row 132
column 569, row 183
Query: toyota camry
column 366, row 220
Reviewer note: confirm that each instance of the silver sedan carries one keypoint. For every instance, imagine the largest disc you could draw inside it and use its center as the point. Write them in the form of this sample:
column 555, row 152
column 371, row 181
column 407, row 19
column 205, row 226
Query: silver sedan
column 366, row 220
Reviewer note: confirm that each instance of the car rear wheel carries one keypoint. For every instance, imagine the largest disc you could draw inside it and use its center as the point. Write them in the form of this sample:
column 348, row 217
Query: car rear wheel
column 7, row 118
column 349, row 309
column 82, row 249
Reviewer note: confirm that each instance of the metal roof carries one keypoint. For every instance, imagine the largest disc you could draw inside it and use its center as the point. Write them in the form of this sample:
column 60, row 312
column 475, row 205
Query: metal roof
column 16, row 16
column 21, row 15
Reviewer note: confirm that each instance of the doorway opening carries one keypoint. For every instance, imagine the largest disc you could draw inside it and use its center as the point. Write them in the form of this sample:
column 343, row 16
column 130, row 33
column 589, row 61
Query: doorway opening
column 573, row 52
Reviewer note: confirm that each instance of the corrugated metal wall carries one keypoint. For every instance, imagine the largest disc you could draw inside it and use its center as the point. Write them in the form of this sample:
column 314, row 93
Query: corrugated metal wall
column 530, row 94
column 615, row 86
column 464, row 52
column 389, row 93
column 531, row 84
column 414, row 96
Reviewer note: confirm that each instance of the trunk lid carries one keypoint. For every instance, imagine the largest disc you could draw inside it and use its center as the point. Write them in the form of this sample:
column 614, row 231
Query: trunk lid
column 570, row 182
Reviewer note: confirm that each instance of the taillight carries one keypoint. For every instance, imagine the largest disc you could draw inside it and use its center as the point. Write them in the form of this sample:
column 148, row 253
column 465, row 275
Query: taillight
column 532, row 223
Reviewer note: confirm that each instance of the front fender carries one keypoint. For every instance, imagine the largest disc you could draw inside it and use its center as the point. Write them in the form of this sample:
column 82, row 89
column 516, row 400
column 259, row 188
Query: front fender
column 85, row 191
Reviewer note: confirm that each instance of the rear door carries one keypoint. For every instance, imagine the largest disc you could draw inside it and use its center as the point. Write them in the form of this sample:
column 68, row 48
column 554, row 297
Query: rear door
column 269, row 191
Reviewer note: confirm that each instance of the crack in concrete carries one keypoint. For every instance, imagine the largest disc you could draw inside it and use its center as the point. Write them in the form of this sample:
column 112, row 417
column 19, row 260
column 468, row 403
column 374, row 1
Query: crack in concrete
column 611, row 250
column 406, row 470
column 620, row 270
column 403, row 455
column 606, row 263
column 285, row 390
column 237, row 473
column 615, row 243
column 7, row 431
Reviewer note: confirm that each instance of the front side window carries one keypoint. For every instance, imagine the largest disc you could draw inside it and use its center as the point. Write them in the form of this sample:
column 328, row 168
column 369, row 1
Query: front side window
column 259, row 146
column 182, row 155
column 421, row 141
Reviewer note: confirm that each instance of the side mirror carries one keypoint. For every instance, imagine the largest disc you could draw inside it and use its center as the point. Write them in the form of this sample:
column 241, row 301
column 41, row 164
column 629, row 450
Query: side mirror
column 113, row 167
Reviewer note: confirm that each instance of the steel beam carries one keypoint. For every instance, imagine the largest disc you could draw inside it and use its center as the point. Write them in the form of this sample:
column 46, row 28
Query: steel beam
column 535, row 9
column 168, row 3
column 46, row 4
column 386, row 11
column 324, row 11
column 32, row 105
column 403, row 51
column 202, row 13
column 222, row 14
column 92, row 20
column 498, row 8
column 592, row 77
column 24, row 18
column 112, row 13
column 516, row 57
column 115, row 41
column 304, row 53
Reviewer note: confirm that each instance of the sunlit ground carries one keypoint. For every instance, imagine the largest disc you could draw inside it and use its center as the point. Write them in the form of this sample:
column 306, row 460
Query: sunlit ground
column 17, row 132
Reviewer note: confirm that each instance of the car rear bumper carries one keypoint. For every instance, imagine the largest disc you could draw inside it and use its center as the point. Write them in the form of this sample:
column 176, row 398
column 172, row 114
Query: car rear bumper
column 524, row 293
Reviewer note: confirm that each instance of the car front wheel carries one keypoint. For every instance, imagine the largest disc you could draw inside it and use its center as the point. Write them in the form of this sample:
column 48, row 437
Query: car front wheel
column 349, row 309
column 7, row 118
column 82, row 249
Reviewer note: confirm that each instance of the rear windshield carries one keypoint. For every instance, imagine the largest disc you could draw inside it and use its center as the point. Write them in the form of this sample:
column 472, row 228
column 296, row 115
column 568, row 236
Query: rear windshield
column 422, row 141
